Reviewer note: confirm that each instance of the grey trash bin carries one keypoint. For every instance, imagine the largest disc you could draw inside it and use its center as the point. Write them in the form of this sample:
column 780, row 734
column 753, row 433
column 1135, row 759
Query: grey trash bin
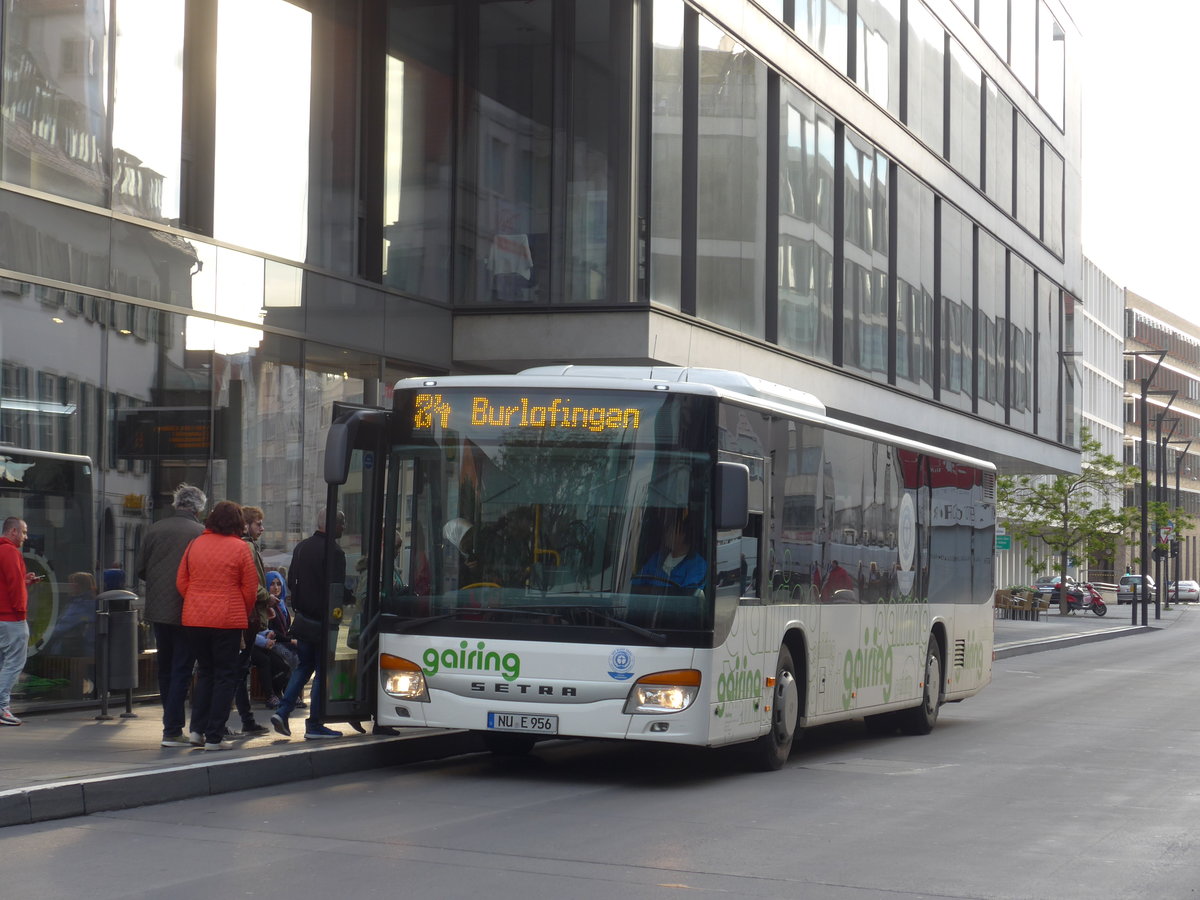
column 116, row 612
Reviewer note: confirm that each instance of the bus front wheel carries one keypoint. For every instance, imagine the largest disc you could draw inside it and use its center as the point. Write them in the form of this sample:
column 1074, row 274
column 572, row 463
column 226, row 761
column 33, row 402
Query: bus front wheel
column 921, row 719
column 771, row 751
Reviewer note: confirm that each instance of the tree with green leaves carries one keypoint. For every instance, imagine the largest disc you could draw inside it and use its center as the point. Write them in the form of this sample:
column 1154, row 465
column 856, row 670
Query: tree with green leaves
column 1078, row 514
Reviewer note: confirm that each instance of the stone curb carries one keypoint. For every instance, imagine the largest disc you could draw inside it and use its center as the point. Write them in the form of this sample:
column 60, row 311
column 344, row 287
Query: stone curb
column 60, row 800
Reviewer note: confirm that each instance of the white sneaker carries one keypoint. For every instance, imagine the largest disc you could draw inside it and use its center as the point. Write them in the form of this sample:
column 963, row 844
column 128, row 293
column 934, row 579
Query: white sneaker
column 7, row 717
column 196, row 739
column 220, row 745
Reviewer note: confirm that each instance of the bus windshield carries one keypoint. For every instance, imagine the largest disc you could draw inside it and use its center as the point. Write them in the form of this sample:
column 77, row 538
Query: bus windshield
column 544, row 510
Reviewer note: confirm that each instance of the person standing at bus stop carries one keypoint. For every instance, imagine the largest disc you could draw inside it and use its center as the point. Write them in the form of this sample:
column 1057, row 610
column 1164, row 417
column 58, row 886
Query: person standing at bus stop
column 306, row 583
column 14, row 604
column 162, row 549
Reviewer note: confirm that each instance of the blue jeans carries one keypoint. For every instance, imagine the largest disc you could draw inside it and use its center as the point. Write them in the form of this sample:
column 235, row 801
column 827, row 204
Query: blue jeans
column 175, row 661
column 14, row 644
column 312, row 664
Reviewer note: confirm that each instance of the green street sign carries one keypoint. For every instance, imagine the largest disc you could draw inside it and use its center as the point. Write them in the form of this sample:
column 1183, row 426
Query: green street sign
column 1004, row 542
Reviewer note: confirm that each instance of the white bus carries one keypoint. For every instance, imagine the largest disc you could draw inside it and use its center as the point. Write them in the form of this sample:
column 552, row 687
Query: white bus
column 679, row 555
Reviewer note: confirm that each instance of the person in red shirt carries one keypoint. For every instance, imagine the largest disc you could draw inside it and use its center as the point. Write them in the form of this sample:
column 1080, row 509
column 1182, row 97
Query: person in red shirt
column 14, row 604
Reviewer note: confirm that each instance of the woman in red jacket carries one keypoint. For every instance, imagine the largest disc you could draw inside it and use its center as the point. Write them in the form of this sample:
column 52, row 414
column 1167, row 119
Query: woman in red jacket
column 218, row 581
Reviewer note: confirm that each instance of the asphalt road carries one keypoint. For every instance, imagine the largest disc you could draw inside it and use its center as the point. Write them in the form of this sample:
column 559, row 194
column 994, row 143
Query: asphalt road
column 1076, row 774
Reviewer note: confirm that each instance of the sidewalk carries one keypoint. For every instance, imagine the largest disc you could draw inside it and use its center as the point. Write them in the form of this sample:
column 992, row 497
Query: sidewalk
column 65, row 764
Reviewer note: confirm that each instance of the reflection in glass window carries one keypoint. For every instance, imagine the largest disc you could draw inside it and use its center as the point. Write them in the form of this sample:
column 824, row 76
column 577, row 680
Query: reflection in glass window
column 148, row 109
column 1052, row 193
column 1024, row 41
column 505, row 225
column 666, row 127
column 965, row 126
column 731, row 193
column 1020, row 354
column 1029, row 176
column 957, row 307
column 914, row 285
column 990, row 325
column 261, row 177
column 1051, row 63
column 806, row 176
column 999, row 176
column 993, row 25
column 54, row 95
column 418, row 155
column 823, row 25
column 865, row 293
column 1048, row 335
column 878, row 52
column 926, row 72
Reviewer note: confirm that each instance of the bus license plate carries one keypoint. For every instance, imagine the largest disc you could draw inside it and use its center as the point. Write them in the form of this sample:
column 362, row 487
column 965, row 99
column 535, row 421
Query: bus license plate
column 497, row 721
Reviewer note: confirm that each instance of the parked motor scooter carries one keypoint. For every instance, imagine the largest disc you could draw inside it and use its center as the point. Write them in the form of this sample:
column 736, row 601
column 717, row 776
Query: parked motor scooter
column 1086, row 598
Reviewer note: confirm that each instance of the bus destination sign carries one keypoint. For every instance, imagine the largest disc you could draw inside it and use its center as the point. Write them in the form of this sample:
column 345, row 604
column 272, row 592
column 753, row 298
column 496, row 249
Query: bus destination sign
column 522, row 412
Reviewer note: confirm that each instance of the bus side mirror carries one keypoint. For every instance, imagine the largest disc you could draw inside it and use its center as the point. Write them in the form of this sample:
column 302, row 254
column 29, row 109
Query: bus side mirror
column 340, row 442
column 733, row 496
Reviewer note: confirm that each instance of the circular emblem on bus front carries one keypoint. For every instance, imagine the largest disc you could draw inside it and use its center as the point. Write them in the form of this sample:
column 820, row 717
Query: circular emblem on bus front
column 620, row 663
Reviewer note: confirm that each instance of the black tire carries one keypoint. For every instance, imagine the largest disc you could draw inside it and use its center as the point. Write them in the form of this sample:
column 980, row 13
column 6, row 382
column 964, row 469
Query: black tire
column 505, row 744
column 1098, row 609
column 771, row 751
column 921, row 719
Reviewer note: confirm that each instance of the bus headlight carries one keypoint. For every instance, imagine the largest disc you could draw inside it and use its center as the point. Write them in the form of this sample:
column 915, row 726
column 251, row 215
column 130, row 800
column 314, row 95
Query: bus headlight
column 661, row 692
column 402, row 678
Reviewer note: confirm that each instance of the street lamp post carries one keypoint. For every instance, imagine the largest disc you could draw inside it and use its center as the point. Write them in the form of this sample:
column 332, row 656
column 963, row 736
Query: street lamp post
column 1160, row 464
column 1145, row 547
column 1178, row 462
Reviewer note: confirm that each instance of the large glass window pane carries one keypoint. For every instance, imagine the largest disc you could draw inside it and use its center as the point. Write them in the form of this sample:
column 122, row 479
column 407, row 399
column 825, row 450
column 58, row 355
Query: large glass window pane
column 731, row 194
column 1029, row 176
column 823, row 25
column 990, row 324
column 1052, row 194
column 914, row 287
column 1049, row 369
column 148, row 108
column 993, row 25
column 54, row 98
column 878, row 52
column 865, row 294
column 999, row 176
column 1024, row 41
column 957, row 308
column 926, row 72
column 965, row 127
column 806, row 160
column 666, row 173
column 417, row 180
column 1020, row 369
column 505, row 221
column 261, row 168
column 597, row 106
column 1051, row 62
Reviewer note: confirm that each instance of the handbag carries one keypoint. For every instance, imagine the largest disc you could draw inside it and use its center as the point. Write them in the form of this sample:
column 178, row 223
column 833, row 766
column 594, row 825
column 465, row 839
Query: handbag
column 305, row 628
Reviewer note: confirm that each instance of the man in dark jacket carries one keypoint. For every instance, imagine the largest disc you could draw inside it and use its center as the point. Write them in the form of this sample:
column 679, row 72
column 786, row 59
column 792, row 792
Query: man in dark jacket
column 306, row 583
column 162, row 549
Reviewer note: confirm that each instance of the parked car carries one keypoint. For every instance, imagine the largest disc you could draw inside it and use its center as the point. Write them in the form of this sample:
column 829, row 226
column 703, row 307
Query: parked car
column 1129, row 588
column 1184, row 590
column 1050, row 585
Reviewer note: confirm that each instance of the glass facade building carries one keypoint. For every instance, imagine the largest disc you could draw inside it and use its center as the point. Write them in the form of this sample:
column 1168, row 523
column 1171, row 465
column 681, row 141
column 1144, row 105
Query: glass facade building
column 208, row 238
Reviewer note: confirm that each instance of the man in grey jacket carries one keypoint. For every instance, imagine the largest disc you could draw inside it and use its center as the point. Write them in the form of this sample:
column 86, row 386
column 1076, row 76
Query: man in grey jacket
column 162, row 549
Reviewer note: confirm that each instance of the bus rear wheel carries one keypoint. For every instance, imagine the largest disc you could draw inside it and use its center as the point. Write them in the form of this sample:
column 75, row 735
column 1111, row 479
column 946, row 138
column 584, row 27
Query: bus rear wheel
column 921, row 719
column 771, row 751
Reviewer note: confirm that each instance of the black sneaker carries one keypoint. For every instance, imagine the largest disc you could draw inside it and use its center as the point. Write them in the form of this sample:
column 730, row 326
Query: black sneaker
column 254, row 729
column 280, row 724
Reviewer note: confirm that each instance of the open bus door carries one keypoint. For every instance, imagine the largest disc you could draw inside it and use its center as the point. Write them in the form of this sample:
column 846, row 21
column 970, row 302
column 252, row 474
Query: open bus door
column 356, row 473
